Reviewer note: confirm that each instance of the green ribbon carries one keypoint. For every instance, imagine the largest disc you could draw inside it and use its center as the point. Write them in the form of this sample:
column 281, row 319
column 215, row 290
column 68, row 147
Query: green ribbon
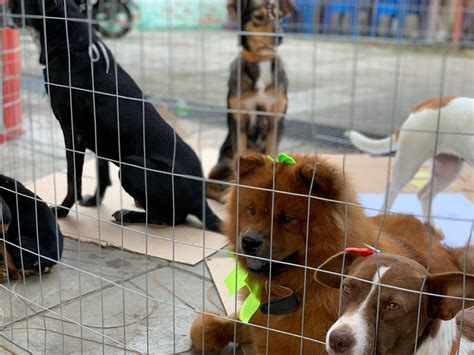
column 283, row 158
column 236, row 280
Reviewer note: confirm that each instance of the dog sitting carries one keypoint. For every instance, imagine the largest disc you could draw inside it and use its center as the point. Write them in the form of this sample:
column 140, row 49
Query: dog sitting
column 114, row 122
column 297, row 230
column 418, row 140
column 397, row 313
column 27, row 223
column 257, row 85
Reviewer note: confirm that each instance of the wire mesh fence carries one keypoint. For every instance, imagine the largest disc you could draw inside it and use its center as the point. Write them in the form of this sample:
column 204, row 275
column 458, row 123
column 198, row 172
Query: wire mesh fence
column 136, row 113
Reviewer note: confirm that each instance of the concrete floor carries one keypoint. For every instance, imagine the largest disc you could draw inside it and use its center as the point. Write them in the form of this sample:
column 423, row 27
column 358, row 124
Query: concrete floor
column 100, row 298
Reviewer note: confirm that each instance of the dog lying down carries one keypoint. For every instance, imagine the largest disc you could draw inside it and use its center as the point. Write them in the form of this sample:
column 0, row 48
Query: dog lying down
column 278, row 234
column 26, row 221
column 101, row 108
column 399, row 311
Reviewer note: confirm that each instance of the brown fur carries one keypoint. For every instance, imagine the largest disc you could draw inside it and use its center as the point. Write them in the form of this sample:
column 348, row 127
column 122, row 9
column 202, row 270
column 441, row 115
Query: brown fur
column 433, row 104
column 327, row 222
column 396, row 328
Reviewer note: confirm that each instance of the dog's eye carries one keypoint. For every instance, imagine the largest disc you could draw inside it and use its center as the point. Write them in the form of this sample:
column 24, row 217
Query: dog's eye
column 392, row 307
column 251, row 210
column 346, row 289
column 285, row 219
column 258, row 18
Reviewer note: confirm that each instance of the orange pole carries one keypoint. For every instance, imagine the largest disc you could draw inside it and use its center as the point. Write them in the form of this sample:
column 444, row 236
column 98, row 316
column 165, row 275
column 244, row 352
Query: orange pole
column 11, row 79
column 458, row 19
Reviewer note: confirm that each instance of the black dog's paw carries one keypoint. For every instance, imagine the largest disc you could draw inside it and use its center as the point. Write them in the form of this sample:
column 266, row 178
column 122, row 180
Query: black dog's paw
column 62, row 212
column 89, row 201
column 122, row 216
column 128, row 216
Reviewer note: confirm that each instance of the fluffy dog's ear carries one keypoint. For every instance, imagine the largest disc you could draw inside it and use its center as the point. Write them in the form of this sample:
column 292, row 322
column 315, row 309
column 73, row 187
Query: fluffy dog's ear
column 451, row 285
column 329, row 273
column 47, row 5
column 248, row 163
column 324, row 179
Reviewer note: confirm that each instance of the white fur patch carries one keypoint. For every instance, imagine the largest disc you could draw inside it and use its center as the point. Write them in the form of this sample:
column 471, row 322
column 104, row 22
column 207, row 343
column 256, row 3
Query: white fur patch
column 355, row 320
column 466, row 347
column 443, row 341
column 265, row 75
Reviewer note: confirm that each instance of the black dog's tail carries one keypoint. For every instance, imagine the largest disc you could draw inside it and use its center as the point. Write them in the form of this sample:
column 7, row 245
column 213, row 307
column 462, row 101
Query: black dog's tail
column 212, row 221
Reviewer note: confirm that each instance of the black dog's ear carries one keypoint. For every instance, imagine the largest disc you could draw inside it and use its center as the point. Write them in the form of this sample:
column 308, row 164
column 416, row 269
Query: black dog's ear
column 47, row 5
column 248, row 163
column 329, row 273
column 5, row 215
column 324, row 179
column 452, row 285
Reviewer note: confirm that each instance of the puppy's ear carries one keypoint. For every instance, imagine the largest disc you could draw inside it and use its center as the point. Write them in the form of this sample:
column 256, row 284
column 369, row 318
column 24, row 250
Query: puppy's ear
column 335, row 267
column 287, row 7
column 248, row 163
column 233, row 7
column 451, row 285
column 47, row 5
column 324, row 179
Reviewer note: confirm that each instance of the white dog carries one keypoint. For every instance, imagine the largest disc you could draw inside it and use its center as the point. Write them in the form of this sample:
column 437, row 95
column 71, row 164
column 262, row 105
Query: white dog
column 442, row 129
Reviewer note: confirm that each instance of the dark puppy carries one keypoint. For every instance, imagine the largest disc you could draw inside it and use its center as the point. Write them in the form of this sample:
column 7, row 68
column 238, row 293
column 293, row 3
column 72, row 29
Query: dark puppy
column 27, row 221
column 123, row 129
column 257, row 85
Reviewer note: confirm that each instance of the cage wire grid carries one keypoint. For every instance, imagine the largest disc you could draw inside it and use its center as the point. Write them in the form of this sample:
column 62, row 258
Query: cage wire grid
column 337, row 81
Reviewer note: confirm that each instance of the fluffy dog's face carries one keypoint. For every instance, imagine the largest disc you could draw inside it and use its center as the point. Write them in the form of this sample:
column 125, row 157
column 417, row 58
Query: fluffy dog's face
column 265, row 225
column 261, row 16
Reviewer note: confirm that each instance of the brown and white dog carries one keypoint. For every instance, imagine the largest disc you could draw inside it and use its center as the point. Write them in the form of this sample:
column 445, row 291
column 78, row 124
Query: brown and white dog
column 441, row 128
column 384, row 320
column 257, row 96
column 285, row 220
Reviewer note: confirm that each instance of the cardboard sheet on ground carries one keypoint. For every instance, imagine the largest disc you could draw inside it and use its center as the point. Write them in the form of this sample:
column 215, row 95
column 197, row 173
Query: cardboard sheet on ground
column 96, row 225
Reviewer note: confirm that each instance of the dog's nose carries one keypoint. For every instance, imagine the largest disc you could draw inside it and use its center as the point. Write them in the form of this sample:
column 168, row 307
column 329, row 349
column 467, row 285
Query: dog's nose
column 341, row 340
column 250, row 242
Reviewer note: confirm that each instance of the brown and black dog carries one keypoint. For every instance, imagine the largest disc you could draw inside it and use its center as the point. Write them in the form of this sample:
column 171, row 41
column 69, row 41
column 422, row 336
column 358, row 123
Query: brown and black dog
column 303, row 223
column 257, row 96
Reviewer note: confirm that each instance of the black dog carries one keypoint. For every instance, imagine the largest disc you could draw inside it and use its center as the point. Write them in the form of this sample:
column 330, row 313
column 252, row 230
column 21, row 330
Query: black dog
column 27, row 221
column 123, row 128
column 257, row 82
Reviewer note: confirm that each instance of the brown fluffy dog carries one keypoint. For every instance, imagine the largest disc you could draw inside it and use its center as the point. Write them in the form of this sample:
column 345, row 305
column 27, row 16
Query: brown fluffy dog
column 300, row 236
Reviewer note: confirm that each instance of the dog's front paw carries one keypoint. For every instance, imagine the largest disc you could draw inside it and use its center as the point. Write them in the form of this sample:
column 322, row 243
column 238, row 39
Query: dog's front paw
column 217, row 333
column 123, row 216
column 90, row 201
column 61, row 211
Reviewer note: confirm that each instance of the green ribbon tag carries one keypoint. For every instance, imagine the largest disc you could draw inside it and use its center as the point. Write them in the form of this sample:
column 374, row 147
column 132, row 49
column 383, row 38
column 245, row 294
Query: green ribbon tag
column 250, row 306
column 269, row 157
column 286, row 159
column 282, row 158
column 237, row 279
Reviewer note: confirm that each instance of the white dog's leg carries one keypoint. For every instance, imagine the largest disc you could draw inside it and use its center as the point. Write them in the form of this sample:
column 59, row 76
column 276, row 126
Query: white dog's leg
column 446, row 170
column 404, row 166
